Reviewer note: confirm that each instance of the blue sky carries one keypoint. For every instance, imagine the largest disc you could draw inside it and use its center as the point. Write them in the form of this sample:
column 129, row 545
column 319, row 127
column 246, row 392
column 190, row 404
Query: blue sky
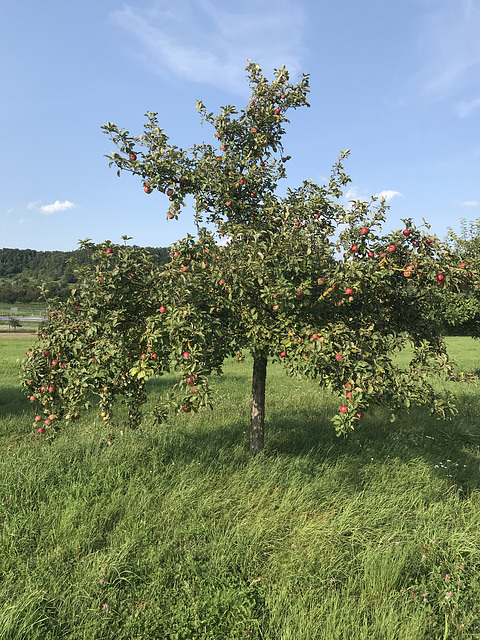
column 396, row 81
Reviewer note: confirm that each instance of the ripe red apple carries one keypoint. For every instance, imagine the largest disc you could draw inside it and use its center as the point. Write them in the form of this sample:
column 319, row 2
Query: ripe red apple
column 283, row 354
column 277, row 111
column 392, row 248
column 348, row 385
column 229, row 203
column 148, row 189
column 354, row 248
column 169, row 192
column 300, row 293
column 170, row 216
column 186, row 409
column 254, row 129
column 41, row 430
column 407, row 274
column 440, row 277
column 343, row 409
column 371, row 254
column 51, row 388
column 181, row 180
column 364, row 231
column 359, row 415
column 48, row 421
column 46, row 352
column 133, row 157
column 314, row 336
column 415, row 243
column 32, row 398
column 462, row 265
column 284, row 159
column 162, row 309
column 406, row 232
column 186, row 354
column 348, row 291
column 298, row 223
column 349, row 394
column 38, row 418
column 316, row 216
column 29, row 352
column 338, row 357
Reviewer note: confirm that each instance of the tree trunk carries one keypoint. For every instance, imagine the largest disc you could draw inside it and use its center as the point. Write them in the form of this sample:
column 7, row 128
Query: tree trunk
column 257, row 419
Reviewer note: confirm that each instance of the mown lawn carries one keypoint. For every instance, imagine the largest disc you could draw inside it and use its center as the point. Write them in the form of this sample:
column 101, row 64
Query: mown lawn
column 177, row 533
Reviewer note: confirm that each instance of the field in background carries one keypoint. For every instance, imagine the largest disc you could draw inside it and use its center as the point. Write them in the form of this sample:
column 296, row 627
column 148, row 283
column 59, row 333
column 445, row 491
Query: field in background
column 176, row 532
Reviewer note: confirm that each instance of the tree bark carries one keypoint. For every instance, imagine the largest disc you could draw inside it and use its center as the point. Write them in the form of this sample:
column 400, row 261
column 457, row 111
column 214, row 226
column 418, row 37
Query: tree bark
column 257, row 419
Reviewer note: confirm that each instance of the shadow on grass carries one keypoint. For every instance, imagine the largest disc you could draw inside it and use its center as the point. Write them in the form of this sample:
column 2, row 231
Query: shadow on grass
column 12, row 401
column 449, row 448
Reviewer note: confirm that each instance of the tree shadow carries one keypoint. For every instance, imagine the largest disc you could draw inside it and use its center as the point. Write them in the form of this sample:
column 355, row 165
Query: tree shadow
column 449, row 448
column 12, row 402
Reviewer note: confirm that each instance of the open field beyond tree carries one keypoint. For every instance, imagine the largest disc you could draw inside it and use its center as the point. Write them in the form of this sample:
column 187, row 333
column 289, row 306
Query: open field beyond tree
column 178, row 533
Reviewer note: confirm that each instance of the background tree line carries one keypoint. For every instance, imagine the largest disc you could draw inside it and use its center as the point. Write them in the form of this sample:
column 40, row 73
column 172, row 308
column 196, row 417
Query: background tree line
column 23, row 271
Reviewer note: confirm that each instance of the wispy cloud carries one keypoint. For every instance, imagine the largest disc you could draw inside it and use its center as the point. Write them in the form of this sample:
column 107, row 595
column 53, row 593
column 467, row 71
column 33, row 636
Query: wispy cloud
column 209, row 41
column 449, row 54
column 471, row 203
column 34, row 205
column 48, row 209
column 465, row 108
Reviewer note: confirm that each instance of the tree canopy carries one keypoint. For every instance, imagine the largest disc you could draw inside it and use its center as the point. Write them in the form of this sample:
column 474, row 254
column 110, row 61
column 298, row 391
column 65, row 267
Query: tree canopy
column 299, row 278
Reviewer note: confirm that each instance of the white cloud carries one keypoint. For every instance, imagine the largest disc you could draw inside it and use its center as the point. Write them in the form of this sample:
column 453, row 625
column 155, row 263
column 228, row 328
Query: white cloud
column 209, row 41
column 48, row 209
column 449, row 53
column 387, row 195
column 34, row 205
column 471, row 203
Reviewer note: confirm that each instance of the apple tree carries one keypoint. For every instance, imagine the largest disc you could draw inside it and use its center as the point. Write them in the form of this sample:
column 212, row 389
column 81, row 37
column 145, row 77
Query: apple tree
column 297, row 278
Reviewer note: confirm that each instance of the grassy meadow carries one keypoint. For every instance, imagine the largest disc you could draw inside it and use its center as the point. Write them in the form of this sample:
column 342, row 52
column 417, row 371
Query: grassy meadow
column 177, row 533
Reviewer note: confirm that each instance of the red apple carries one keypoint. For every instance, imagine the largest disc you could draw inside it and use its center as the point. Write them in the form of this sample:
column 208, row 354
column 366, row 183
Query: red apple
column 41, row 430
column 148, row 189
column 38, row 418
column 229, row 203
column 392, row 248
column 162, row 309
column 462, row 265
column 298, row 224
column 51, row 388
column 32, row 398
column 186, row 409
column 343, row 409
column 184, row 268
column 283, row 354
column 338, row 357
column 354, row 248
column 169, row 192
column 371, row 254
column 348, row 291
column 359, row 415
column 364, row 231
column 406, row 232
column 314, row 336
column 186, row 354
column 133, row 157
column 277, row 111
column 48, row 421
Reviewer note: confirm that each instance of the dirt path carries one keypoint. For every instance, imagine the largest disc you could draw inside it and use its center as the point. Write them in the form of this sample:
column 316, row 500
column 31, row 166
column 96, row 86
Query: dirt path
column 13, row 334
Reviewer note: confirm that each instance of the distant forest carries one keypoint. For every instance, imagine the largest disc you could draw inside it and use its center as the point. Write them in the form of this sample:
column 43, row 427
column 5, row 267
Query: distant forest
column 23, row 271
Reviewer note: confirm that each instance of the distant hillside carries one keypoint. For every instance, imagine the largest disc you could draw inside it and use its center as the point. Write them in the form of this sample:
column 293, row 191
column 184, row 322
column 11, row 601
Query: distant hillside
column 23, row 271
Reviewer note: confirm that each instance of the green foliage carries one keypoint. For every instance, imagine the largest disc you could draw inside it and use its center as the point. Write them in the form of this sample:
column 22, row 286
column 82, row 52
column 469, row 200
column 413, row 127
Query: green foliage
column 299, row 279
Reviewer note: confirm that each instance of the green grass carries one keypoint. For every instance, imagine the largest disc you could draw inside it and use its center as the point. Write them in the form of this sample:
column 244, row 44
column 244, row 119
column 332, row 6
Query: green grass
column 320, row 537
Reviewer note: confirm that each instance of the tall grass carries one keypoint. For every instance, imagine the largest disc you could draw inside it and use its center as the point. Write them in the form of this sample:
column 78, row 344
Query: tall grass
column 177, row 533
